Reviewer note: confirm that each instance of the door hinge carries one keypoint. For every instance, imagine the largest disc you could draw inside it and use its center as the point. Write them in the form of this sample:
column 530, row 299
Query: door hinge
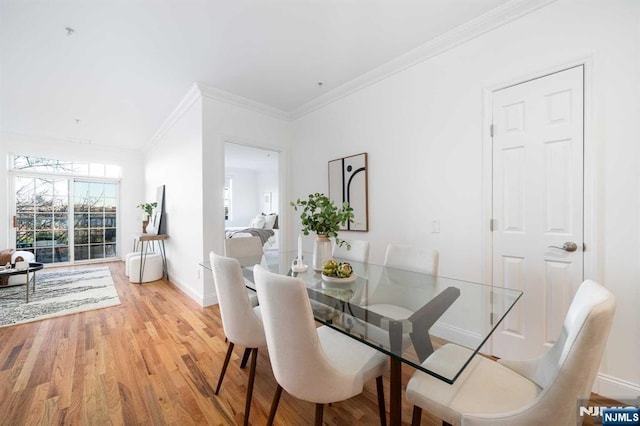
column 491, row 224
column 15, row 222
column 491, row 129
column 492, row 318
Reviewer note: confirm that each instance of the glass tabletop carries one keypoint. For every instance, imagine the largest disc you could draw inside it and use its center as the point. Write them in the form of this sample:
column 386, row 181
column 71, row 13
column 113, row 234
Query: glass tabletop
column 407, row 315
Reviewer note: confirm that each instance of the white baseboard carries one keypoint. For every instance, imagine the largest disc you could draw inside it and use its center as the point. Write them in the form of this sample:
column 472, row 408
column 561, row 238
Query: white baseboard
column 455, row 334
column 614, row 388
column 210, row 299
column 196, row 296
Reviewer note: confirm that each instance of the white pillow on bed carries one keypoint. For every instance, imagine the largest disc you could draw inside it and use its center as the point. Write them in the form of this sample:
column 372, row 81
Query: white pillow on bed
column 257, row 222
column 270, row 220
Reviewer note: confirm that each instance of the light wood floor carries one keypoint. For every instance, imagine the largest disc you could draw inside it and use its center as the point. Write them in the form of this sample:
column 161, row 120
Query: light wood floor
column 152, row 360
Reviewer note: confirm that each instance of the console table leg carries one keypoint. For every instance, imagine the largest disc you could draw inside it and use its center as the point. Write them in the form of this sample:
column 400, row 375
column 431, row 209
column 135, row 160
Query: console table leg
column 165, row 271
column 28, row 283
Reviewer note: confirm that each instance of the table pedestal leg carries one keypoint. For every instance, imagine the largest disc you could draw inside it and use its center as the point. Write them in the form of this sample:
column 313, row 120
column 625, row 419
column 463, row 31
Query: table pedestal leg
column 395, row 375
column 395, row 390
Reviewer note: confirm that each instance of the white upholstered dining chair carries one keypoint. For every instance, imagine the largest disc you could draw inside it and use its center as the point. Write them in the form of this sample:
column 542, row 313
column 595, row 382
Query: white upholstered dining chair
column 249, row 251
column 241, row 322
column 539, row 391
column 390, row 298
column 398, row 259
column 384, row 298
column 358, row 251
column 318, row 365
column 411, row 258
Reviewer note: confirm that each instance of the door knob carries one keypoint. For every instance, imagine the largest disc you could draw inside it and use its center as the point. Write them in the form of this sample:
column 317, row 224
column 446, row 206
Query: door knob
column 569, row 246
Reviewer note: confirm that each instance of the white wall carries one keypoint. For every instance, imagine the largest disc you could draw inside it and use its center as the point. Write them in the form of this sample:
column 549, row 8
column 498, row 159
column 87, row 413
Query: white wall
column 175, row 160
column 268, row 182
column 188, row 159
column 131, row 183
column 224, row 122
column 422, row 128
column 248, row 189
column 245, row 198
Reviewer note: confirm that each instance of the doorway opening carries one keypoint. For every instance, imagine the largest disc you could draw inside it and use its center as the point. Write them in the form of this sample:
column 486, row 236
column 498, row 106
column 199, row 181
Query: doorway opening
column 252, row 196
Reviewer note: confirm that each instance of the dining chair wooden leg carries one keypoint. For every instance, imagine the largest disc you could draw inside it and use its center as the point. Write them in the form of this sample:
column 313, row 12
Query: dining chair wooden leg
column 417, row 416
column 319, row 411
column 245, row 357
column 381, row 406
column 252, row 375
column 224, row 366
column 274, row 405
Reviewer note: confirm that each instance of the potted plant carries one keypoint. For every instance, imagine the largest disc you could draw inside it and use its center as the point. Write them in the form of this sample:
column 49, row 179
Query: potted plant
column 147, row 208
column 322, row 216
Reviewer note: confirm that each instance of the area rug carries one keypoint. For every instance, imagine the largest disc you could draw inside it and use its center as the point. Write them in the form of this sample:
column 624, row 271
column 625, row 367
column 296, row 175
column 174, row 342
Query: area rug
column 58, row 292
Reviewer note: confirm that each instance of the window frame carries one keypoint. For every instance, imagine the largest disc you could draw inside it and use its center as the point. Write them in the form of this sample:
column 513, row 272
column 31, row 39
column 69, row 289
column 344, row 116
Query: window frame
column 71, row 180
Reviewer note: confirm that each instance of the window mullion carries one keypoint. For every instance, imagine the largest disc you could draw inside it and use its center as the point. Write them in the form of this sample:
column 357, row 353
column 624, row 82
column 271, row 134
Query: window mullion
column 72, row 222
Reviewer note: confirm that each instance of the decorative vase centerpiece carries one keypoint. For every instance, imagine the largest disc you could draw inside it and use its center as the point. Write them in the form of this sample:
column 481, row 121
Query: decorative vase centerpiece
column 322, row 216
column 147, row 208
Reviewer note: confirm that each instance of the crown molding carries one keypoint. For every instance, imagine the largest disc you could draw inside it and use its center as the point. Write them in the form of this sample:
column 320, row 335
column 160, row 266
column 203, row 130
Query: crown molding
column 495, row 18
column 201, row 90
column 233, row 99
column 490, row 20
column 183, row 106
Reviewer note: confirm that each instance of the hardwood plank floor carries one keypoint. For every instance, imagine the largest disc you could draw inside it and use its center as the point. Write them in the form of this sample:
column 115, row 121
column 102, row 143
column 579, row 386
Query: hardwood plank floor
column 153, row 360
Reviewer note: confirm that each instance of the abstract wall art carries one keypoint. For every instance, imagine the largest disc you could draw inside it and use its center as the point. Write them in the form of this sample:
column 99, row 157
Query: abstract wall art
column 348, row 182
column 157, row 221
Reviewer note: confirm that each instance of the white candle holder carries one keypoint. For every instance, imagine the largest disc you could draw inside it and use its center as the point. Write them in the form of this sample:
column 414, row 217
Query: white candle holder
column 298, row 266
column 302, row 268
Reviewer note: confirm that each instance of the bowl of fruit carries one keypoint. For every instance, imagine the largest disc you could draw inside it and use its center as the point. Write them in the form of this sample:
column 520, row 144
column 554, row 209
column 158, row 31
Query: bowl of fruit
column 338, row 272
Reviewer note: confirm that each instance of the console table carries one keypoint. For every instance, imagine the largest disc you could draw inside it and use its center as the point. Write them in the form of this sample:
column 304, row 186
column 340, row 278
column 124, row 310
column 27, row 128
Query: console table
column 143, row 240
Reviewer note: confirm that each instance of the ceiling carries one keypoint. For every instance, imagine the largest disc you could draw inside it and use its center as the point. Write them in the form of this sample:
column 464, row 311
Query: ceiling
column 126, row 65
column 239, row 157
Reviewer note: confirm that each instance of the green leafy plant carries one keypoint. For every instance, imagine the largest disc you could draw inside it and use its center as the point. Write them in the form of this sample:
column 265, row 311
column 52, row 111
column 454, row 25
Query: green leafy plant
column 148, row 207
column 322, row 216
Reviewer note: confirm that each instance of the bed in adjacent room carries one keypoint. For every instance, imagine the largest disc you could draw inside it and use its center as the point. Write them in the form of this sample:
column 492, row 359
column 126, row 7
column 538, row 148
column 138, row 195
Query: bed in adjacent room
column 263, row 225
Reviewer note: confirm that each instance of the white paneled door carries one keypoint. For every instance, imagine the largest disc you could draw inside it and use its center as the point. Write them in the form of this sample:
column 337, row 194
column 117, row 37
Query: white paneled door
column 537, row 206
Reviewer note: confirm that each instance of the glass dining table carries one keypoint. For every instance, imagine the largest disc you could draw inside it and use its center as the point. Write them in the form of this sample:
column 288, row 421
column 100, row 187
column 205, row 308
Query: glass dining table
column 406, row 315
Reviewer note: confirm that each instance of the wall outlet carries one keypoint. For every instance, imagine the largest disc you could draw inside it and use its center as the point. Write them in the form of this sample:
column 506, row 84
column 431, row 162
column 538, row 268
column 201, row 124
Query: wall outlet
column 435, row 226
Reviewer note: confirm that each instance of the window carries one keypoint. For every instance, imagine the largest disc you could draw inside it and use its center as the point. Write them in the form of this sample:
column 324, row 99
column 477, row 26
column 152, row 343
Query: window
column 42, row 218
column 94, row 206
column 227, row 198
column 61, row 216
column 62, row 167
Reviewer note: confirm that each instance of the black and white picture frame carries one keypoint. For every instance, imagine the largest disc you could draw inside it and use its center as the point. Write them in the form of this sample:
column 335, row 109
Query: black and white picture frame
column 156, row 222
column 348, row 182
column 266, row 202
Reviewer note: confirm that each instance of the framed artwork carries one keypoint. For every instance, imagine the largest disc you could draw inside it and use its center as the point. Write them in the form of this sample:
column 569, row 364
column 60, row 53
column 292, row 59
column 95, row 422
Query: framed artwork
column 266, row 202
column 156, row 223
column 348, row 182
